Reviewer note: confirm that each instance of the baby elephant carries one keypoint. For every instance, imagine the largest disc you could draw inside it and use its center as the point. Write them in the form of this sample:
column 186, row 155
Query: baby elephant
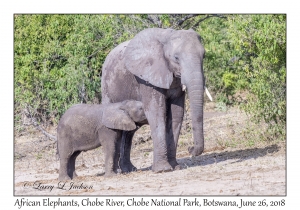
column 88, row 126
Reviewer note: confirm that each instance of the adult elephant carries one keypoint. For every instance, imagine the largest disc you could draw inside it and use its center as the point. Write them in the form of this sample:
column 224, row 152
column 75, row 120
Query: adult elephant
column 155, row 67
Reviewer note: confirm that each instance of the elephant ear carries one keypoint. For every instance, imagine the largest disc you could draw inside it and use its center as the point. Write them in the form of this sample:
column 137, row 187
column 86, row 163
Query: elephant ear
column 144, row 57
column 115, row 118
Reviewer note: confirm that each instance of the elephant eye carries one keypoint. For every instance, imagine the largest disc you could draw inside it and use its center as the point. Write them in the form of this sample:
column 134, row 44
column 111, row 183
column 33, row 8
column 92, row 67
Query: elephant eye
column 176, row 58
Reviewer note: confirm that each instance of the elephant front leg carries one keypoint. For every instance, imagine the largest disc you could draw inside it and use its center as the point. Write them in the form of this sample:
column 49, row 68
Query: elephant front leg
column 109, row 140
column 175, row 112
column 155, row 110
column 158, row 134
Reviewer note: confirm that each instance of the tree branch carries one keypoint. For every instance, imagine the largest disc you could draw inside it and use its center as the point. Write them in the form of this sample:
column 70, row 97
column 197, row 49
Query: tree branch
column 180, row 22
column 155, row 19
column 94, row 53
column 35, row 124
column 208, row 16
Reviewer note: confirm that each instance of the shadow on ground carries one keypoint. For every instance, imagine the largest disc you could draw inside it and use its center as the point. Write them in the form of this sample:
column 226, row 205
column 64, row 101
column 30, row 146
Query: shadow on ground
column 218, row 157
column 238, row 156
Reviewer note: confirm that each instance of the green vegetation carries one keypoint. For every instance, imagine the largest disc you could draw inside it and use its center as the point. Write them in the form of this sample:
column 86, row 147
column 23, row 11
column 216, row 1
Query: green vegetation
column 247, row 53
column 260, row 42
column 58, row 60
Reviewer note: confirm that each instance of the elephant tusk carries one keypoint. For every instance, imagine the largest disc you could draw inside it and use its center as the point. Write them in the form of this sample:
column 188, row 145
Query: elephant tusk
column 183, row 88
column 208, row 94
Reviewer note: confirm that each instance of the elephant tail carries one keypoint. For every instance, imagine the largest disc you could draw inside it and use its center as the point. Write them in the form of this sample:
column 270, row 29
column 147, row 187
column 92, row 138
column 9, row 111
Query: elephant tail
column 57, row 151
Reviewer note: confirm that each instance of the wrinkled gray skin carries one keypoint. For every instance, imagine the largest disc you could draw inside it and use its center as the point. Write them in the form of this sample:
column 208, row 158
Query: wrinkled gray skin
column 84, row 127
column 152, row 68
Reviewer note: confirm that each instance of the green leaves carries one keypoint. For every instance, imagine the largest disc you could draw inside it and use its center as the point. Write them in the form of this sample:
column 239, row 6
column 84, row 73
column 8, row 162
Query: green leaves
column 230, row 80
column 58, row 59
column 261, row 43
column 248, row 53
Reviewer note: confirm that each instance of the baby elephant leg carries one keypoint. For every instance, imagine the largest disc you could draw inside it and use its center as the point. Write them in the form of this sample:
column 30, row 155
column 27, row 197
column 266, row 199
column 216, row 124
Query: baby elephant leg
column 65, row 152
column 63, row 170
column 71, row 167
column 111, row 150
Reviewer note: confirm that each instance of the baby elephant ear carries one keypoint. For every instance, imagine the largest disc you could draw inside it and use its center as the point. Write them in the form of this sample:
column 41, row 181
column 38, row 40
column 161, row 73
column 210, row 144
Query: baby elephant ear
column 115, row 118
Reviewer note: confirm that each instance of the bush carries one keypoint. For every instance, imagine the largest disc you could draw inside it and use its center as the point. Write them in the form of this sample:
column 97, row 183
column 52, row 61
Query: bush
column 39, row 42
column 58, row 60
column 248, row 53
column 260, row 43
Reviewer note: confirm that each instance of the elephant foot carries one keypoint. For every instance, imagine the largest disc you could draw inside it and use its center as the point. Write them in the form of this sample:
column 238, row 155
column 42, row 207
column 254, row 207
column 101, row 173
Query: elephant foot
column 127, row 168
column 177, row 168
column 174, row 164
column 109, row 174
column 162, row 167
column 195, row 151
column 64, row 177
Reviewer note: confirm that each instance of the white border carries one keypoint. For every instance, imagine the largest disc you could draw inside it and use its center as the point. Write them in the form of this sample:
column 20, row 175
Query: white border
column 154, row 6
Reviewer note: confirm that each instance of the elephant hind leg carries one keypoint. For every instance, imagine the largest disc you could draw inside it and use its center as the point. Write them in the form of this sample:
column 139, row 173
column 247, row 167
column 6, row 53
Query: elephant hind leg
column 63, row 169
column 71, row 165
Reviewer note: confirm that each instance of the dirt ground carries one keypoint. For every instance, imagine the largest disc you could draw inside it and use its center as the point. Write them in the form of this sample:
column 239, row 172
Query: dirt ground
column 228, row 166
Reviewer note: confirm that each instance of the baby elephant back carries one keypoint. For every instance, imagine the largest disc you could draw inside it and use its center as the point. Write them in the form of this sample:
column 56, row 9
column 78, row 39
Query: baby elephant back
column 80, row 121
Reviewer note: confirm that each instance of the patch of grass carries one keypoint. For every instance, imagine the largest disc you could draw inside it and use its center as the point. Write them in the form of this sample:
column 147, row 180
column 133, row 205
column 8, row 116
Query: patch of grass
column 39, row 156
column 221, row 106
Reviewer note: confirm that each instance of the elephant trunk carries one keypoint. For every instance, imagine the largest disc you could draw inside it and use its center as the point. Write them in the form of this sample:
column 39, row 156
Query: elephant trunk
column 195, row 88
